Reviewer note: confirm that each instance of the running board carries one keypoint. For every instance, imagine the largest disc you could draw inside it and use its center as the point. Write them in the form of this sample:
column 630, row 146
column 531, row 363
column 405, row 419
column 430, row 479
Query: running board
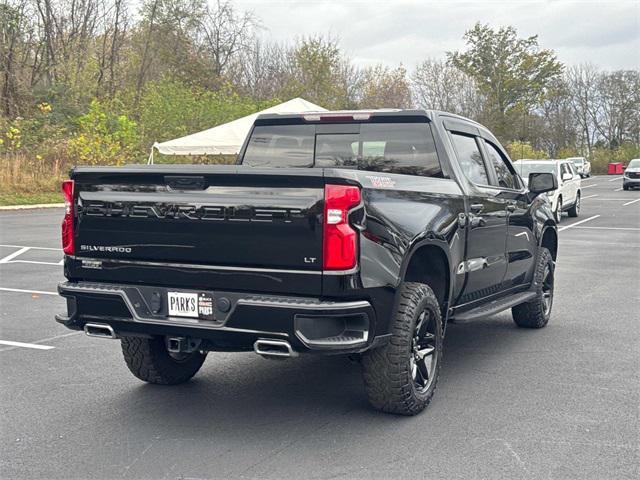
column 494, row 307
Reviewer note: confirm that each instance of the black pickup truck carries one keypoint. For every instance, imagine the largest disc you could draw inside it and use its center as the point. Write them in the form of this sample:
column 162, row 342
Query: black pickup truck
column 357, row 233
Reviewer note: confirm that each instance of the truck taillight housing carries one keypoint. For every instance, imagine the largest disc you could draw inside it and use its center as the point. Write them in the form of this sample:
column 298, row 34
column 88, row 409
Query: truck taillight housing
column 67, row 223
column 340, row 242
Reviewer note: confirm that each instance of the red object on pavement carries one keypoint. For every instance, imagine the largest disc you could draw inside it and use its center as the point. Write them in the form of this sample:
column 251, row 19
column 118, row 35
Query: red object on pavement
column 615, row 168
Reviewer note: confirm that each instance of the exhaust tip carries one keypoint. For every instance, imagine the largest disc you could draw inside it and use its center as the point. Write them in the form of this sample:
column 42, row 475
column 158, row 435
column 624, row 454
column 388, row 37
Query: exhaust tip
column 100, row 330
column 273, row 348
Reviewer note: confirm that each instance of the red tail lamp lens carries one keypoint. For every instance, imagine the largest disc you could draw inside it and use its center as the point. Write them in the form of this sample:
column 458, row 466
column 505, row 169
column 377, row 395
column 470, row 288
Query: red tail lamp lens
column 340, row 240
column 68, row 245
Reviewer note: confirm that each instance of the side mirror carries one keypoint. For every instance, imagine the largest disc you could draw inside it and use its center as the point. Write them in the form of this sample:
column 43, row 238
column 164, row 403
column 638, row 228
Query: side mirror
column 566, row 176
column 542, row 182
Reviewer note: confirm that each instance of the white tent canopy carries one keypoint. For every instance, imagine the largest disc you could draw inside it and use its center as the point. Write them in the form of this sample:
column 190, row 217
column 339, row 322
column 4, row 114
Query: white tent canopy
column 227, row 139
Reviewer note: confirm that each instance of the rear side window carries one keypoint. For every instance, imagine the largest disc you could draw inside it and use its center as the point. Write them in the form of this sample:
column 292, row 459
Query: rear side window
column 506, row 179
column 470, row 159
column 405, row 148
column 399, row 148
column 280, row 146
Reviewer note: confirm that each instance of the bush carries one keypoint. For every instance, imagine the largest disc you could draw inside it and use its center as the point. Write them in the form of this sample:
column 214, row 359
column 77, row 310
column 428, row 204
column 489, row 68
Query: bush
column 103, row 138
column 601, row 157
column 172, row 109
column 32, row 157
column 519, row 150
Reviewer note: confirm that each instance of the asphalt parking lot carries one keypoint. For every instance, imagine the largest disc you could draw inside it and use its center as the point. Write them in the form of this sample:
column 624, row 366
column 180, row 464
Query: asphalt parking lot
column 561, row 402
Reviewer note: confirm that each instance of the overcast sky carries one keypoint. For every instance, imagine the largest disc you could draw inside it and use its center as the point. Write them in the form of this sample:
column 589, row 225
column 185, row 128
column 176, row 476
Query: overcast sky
column 606, row 33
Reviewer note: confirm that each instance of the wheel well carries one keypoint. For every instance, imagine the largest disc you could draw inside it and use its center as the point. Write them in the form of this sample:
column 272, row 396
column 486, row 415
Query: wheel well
column 429, row 265
column 550, row 242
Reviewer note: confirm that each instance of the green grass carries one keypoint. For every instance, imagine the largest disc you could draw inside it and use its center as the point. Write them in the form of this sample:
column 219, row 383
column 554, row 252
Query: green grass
column 13, row 198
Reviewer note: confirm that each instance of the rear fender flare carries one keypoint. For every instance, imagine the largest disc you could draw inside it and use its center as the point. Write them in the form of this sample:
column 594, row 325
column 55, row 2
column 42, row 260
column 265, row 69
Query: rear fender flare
column 549, row 228
column 444, row 249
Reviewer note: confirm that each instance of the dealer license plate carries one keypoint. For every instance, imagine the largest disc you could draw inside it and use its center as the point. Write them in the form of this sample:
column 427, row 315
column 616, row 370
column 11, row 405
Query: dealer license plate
column 182, row 304
column 193, row 305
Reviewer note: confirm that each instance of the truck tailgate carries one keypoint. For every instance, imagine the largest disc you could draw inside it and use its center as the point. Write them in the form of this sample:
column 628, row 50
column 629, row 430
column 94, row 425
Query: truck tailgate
column 230, row 217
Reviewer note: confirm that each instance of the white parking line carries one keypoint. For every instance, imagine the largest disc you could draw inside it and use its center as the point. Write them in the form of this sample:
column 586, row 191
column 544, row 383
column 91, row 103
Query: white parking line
column 632, row 201
column 38, row 342
column 590, row 196
column 23, row 249
column 578, row 223
column 611, row 228
column 587, row 186
column 590, row 242
column 611, row 199
column 614, row 179
column 25, row 345
column 618, row 189
column 33, row 248
column 14, row 255
column 37, row 262
column 20, row 290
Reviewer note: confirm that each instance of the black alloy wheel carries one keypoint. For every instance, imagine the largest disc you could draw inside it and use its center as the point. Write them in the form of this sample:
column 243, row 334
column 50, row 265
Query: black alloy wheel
column 423, row 359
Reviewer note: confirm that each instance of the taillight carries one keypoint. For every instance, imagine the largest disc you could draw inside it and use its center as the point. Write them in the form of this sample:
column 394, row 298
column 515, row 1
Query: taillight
column 340, row 240
column 67, row 223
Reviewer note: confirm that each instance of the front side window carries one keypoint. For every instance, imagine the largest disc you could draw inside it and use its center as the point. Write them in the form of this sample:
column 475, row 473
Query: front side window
column 506, row 179
column 470, row 158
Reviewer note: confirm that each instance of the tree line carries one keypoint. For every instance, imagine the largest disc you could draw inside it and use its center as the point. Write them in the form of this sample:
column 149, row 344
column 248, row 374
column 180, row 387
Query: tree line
column 98, row 81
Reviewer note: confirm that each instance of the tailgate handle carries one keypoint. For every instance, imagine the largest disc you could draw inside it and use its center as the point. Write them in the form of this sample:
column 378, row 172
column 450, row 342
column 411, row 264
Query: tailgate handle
column 185, row 183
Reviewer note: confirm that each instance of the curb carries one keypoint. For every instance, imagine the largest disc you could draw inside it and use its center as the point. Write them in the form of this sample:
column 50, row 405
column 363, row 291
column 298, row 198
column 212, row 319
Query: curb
column 35, row 205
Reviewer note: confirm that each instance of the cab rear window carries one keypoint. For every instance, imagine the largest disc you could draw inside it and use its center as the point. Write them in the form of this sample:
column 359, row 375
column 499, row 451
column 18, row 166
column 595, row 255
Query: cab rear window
column 406, row 148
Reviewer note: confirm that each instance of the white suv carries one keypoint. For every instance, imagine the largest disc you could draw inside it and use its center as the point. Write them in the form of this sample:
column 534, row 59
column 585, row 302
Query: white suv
column 582, row 166
column 567, row 197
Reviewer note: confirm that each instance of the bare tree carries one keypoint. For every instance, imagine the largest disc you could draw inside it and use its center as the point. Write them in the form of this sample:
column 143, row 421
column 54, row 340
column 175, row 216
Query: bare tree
column 582, row 82
column 438, row 85
column 225, row 33
column 111, row 44
column 383, row 87
column 144, row 60
column 260, row 70
column 618, row 117
column 554, row 125
column 12, row 25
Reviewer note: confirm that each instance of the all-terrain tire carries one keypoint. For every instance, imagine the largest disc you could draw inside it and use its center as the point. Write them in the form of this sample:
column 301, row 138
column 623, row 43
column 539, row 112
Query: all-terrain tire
column 625, row 187
column 575, row 210
column 387, row 371
column 149, row 360
column 536, row 313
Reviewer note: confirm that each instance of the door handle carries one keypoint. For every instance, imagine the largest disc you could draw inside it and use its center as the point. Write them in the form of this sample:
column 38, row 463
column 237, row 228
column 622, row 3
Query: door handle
column 511, row 207
column 476, row 207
